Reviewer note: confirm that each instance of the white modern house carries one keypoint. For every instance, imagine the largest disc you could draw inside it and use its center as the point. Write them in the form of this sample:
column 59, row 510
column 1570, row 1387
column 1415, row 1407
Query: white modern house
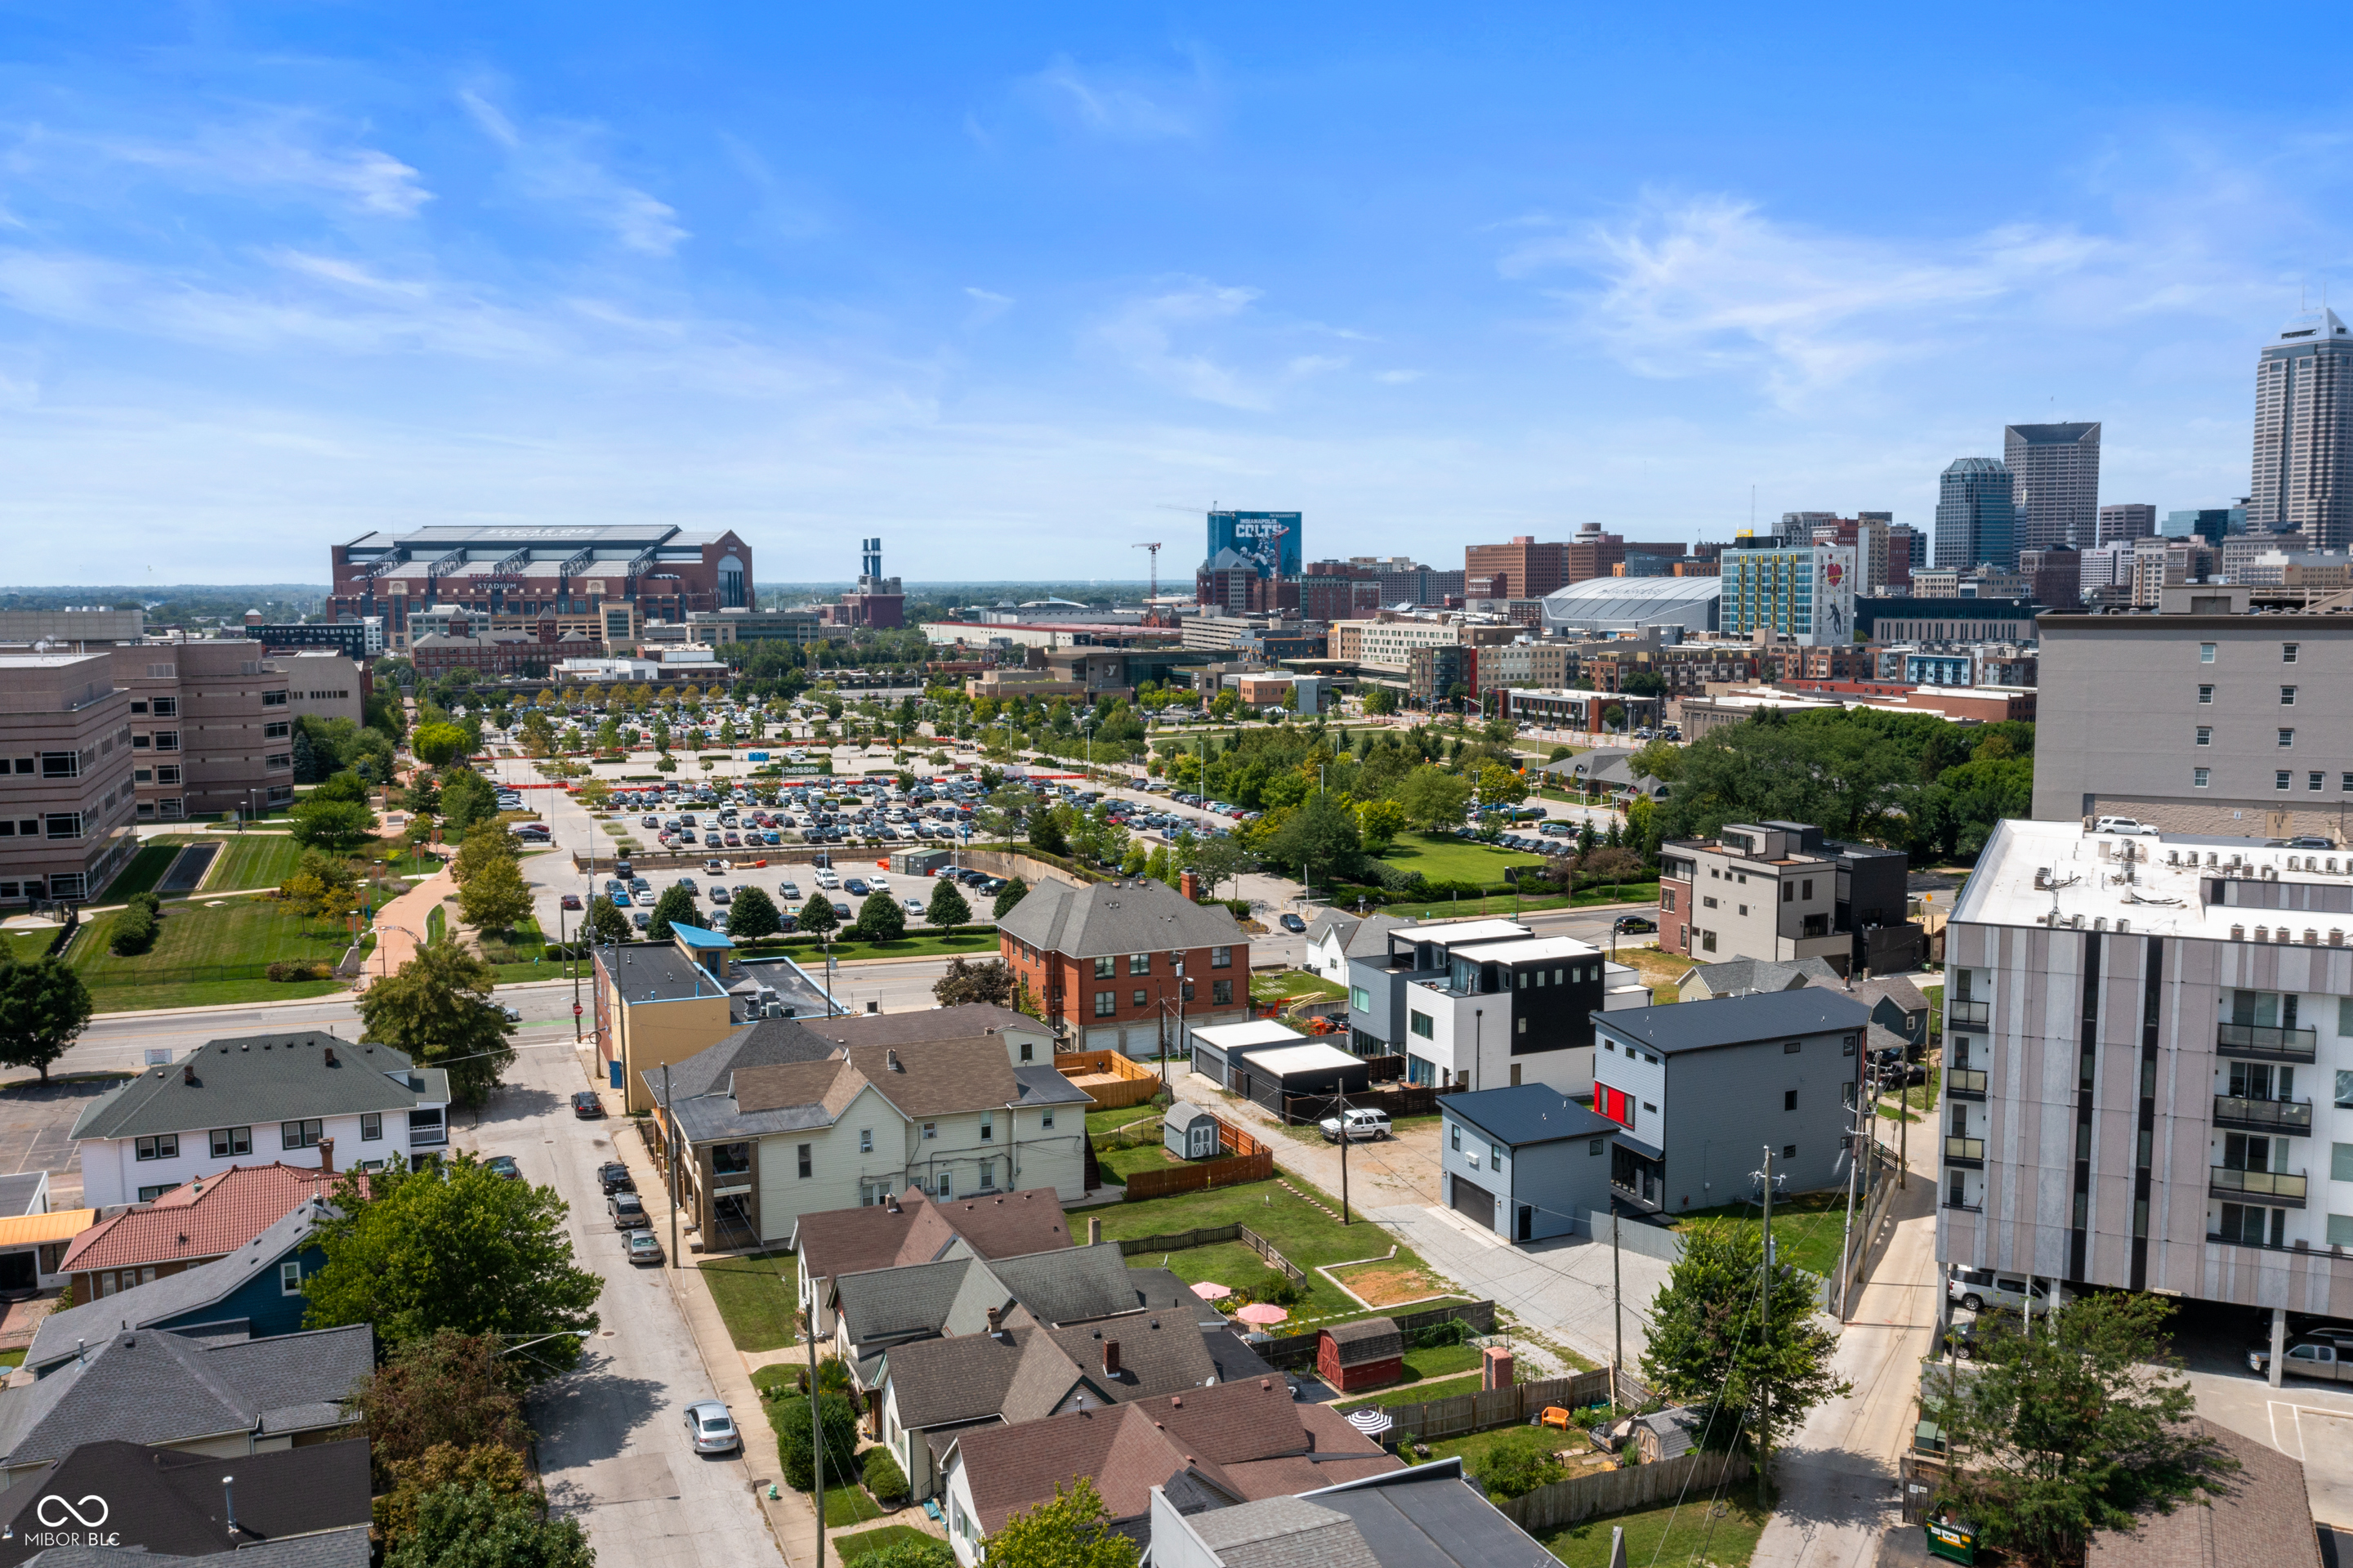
column 1519, row 1009
column 296, row 1098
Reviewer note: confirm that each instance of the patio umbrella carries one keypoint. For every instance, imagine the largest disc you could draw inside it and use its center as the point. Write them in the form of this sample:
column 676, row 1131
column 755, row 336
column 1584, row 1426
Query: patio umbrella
column 1263, row 1312
column 1371, row 1420
column 1208, row 1291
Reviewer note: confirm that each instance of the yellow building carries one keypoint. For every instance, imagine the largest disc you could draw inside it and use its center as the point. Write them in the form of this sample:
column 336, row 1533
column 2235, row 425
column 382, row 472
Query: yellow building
column 659, row 1002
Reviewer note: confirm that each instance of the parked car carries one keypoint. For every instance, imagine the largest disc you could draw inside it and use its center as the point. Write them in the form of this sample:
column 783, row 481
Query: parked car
column 1637, row 923
column 640, row 1246
column 711, row 1429
column 628, row 1209
column 788, row 890
column 569, row 901
column 911, row 905
column 503, row 1167
column 2315, row 1358
column 1359, row 1125
column 1966, row 1338
column 1292, row 923
column 1976, row 1289
column 844, row 911
column 2123, row 825
column 642, row 920
column 855, row 887
column 721, row 894
column 587, row 1105
column 614, row 1177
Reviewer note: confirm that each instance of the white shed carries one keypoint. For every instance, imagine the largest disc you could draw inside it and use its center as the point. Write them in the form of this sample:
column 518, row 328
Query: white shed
column 1191, row 1131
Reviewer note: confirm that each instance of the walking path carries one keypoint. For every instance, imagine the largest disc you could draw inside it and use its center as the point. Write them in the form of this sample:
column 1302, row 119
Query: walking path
column 400, row 925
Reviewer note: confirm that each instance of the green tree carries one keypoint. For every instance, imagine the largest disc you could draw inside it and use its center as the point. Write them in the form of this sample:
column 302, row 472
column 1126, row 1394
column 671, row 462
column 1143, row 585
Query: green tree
column 477, row 1526
column 323, row 885
column 1708, row 1346
column 790, row 1418
column 879, row 918
column 442, row 1390
column 948, row 908
column 1216, row 859
column 1073, row 1530
column 990, row 980
column 331, row 824
column 467, row 798
column 754, row 913
column 307, row 769
column 436, row 1008
column 606, row 922
column 44, row 1007
column 134, row 931
column 816, row 916
column 1048, row 832
column 2082, row 1426
column 438, row 745
column 1378, row 822
column 674, row 907
column 495, row 898
column 1014, row 891
column 1518, row 1463
column 1432, row 799
column 1502, row 786
column 490, row 1464
column 1318, row 837
column 1379, row 702
column 454, row 1247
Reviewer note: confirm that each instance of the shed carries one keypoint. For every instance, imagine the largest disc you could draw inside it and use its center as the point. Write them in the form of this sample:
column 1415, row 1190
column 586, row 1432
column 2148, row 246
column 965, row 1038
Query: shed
column 1667, row 1434
column 1216, row 1047
column 1366, row 1353
column 1189, row 1131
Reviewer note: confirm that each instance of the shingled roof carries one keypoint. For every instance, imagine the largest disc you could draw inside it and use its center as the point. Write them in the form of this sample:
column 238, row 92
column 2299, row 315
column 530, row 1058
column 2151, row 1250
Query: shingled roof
column 1026, row 1373
column 961, row 1022
column 1070, row 1284
column 254, row 1079
column 1366, row 1340
column 162, row 1501
column 916, row 1228
column 206, row 1218
column 1104, row 918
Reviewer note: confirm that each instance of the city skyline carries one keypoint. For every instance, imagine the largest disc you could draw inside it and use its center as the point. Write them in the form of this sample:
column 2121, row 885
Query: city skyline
column 1006, row 293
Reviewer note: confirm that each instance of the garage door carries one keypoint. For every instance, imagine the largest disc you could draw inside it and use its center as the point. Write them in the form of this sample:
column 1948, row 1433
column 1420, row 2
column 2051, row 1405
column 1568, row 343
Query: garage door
column 1474, row 1200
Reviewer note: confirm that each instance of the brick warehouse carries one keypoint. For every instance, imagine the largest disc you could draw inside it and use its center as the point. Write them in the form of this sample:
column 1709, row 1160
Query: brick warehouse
column 664, row 572
column 1103, row 961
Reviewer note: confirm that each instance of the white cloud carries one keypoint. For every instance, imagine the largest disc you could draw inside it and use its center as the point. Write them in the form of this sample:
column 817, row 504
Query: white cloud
column 1143, row 334
column 554, row 165
column 1397, row 377
column 988, row 305
column 286, row 150
column 1125, row 106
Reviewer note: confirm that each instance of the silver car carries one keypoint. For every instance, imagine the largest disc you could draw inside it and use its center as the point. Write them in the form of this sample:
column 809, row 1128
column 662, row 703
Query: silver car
column 711, row 1429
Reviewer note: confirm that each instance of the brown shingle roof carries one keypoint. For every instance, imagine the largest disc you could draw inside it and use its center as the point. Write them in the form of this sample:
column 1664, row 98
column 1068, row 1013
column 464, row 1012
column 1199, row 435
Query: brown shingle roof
column 207, row 1218
column 961, row 1022
column 1366, row 1340
column 916, row 1229
column 2260, row 1517
column 939, row 1077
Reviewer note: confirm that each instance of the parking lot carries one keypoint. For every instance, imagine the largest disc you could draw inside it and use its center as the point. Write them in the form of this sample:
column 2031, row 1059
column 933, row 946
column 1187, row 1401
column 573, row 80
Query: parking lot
column 2308, row 1421
column 34, row 1121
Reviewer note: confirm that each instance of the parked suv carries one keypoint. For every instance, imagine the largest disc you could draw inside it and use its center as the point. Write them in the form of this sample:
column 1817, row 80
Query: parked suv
column 1978, row 1288
column 627, row 1210
column 1359, row 1125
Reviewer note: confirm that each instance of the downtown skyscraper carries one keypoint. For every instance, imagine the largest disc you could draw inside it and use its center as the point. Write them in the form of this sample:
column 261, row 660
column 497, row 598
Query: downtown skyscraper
column 2057, row 467
column 1976, row 515
column 2304, row 433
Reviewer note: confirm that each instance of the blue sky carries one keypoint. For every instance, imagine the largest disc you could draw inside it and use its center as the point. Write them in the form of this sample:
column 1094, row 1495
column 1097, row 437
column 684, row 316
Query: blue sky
column 1005, row 285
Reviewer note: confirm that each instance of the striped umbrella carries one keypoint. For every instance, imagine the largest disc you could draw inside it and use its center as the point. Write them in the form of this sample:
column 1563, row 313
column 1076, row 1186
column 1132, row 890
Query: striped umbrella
column 1370, row 1419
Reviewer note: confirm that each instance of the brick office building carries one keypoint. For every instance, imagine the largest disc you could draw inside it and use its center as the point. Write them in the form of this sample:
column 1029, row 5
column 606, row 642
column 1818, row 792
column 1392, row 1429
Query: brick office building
column 1103, row 962
column 212, row 726
column 66, row 791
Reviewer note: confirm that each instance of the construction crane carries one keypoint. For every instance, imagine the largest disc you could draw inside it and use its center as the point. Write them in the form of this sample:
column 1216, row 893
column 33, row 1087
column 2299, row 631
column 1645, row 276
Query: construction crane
column 1154, row 548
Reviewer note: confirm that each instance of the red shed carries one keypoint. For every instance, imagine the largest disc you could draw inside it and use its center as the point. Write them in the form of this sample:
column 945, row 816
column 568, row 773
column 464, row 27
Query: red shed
column 1368, row 1353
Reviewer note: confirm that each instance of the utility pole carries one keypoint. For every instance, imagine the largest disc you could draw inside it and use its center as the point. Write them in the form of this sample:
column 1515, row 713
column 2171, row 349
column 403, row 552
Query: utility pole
column 1846, row 1237
column 816, row 1435
column 1616, row 1315
column 670, row 1163
column 1903, row 1126
column 1764, row 1334
column 1343, row 1114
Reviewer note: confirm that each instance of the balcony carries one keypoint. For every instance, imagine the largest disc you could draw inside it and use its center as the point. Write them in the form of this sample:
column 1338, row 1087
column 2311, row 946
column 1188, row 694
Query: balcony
column 2280, row 1187
column 1954, row 1203
column 2265, row 1043
column 2292, row 1117
column 1966, row 1083
column 1961, row 1014
column 1967, row 1152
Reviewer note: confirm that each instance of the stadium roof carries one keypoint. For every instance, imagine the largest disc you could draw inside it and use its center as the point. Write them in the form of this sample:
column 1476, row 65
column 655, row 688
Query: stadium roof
column 1626, row 603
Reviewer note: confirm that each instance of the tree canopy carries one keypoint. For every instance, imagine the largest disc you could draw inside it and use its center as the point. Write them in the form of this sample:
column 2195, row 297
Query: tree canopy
column 1071, row 1532
column 44, row 1006
column 753, row 914
column 331, row 824
column 436, row 1008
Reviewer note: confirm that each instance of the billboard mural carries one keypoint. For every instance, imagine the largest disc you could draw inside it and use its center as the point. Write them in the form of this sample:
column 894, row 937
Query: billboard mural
column 1269, row 538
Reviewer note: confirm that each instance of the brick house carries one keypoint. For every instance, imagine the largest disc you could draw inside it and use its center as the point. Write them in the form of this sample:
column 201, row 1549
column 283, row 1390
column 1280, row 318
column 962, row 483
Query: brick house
column 1122, row 965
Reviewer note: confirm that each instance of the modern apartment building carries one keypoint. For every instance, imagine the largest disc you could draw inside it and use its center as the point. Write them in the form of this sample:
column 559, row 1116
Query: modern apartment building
column 2304, row 433
column 2141, row 1038
column 212, row 727
column 66, row 769
column 1912, row 619
column 2057, row 467
column 2198, row 719
column 1782, row 892
column 1976, row 515
column 1804, row 591
column 1386, row 644
column 1535, row 664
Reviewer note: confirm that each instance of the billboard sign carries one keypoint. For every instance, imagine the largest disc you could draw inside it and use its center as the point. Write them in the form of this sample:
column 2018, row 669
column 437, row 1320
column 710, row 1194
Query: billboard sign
column 1270, row 539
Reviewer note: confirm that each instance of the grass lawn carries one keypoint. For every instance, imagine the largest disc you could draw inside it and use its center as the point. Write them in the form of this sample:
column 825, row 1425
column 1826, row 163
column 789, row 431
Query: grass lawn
column 1441, row 1360
column 1101, row 1121
column 254, row 859
column 1807, row 1228
column 437, row 924
column 145, row 870
column 811, row 956
column 1231, row 1262
column 758, row 1306
column 1282, row 984
column 849, row 1548
column 1442, row 857
column 1917, row 1102
column 28, row 945
column 1415, row 1393
column 11, row 1357
column 208, row 954
column 1723, row 1534
column 850, row 1505
column 1659, row 970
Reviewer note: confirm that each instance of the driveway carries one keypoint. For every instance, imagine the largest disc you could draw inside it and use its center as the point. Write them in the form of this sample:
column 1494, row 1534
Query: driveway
column 613, row 1447
column 2310, row 1422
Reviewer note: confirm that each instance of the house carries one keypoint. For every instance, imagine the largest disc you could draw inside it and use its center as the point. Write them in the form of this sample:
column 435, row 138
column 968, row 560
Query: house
column 1366, row 1353
column 771, row 1140
column 254, row 1292
column 1211, row 1447
column 1700, row 1090
column 914, row 1227
column 1126, row 964
column 226, row 1397
column 1335, row 937
column 1781, row 891
column 2262, row 1513
column 1028, row 1040
column 303, row 1094
column 1896, row 1004
column 193, row 1223
column 1189, row 1131
column 1481, row 1004
column 1526, row 1162
column 932, row 1391
column 290, row 1506
column 1426, row 1517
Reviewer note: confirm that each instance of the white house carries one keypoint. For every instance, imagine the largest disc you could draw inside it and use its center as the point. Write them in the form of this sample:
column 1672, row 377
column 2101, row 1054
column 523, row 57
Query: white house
column 299, row 1097
column 1334, row 937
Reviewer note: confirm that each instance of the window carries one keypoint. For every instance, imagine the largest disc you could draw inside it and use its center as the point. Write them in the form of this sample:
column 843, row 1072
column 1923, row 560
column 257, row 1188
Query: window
column 1222, row 993
column 1708, row 901
column 1026, row 1048
column 1791, row 1047
column 1360, row 998
column 371, row 1127
column 802, row 1150
column 149, row 1194
column 62, row 765
column 290, row 1277
column 2313, row 780
column 2205, row 734
column 865, row 1140
column 1221, row 957
column 988, row 1174
column 2287, row 652
column 1789, row 893
column 274, row 699
column 228, row 1142
column 1141, row 999
column 142, row 776
column 1139, row 963
column 163, row 1146
column 987, row 1130
column 1495, row 1155
column 2340, row 1162
column 2287, row 696
column 931, row 1129
column 2340, row 1230
column 947, row 1184
column 1667, row 899
column 2287, row 737
column 1593, row 1146
column 1788, row 1151
column 2280, row 779
column 138, row 705
column 1789, row 1099
column 282, row 730
column 278, row 761
column 1423, row 1025
column 1046, row 1118
column 2205, row 695
column 2205, row 652
column 167, row 707
column 1107, row 1003
column 1707, row 941
column 2200, row 777
column 298, row 1134
column 1454, row 1135
column 1106, row 967
column 62, row 825
column 168, row 773
column 166, row 740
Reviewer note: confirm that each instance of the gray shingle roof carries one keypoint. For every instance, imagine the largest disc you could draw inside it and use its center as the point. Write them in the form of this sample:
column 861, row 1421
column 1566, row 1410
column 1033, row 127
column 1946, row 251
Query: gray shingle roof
column 162, row 1500
column 1361, row 937
column 148, row 1386
column 1720, row 1020
column 327, row 1548
column 1042, row 1086
column 1430, row 1515
column 1523, row 1113
column 763, row 1042
column 251, row 1079
column 174, row 1294
column 17, row 1193
column 1068, row 1285
column 1111, row 917
column 961, row 1022
column 1366, row 1340
column 1282, row 1532
column 1736, row 975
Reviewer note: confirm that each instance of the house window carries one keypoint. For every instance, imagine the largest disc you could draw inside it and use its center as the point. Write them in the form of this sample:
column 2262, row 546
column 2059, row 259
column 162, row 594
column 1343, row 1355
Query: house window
column 1788, row 893
column 2205, row 734
column 2205, row 695
column 2201, row 778
column 163, row 1146
column 947, row 1184
column 2280, row 779
column 1221, row 957
column 371, row 1127
column 803, row 1150
column 2287, row 696
column 298, row 1134
column 149, row 1194
column 1222, row 993
column 1789, row 1099
column 2313, row 780
column 2287, row 737
column 1593, row 1146
column 1667, row 899
column 1105, row 967
column 1791, row 1047
column 1788, row 1151
column 1495, row 1155
column 1707, row 941
column 1423, row 1025
column 1142, row 999
column 1107, row 1003
column 865, row 1140
column 987, row 1130
column 2205, row 652
column 1454, row 1133
column 1046, row 1118
column 988, row 1174
column 228, row 1142
column 1139, row 963
column 1026, row 1049
column 931, row 1129
column 2287, row 652
column 290, row 1277
column 1360, row 998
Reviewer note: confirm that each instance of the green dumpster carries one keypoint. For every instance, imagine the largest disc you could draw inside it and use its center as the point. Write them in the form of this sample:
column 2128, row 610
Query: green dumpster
column 1954, row 1540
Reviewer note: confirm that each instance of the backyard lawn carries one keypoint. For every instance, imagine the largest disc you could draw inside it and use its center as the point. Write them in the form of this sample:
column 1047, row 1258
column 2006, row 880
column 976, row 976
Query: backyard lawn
column 850, row 1548
column 760, row 1309
column 1234, row 1263
column 1442, row 857
column 1807, row 1228
column 1702, row 1529
column 207, row 954
column 1281, row 985
column 1415, row 1393
column 1101, row 1121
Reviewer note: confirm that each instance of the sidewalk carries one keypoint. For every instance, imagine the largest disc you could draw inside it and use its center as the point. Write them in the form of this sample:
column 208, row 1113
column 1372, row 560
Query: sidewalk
column 400, row 925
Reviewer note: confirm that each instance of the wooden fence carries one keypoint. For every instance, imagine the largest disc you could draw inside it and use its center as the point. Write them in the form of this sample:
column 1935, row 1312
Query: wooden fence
column 1199, row 1176
column 1289, row 1351
column 1129, row 1083
column 1463, row 1413
column 1612, row 1492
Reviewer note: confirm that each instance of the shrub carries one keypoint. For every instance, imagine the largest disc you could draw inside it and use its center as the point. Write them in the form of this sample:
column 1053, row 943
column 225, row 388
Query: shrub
column 1239, row 907
column 790, row 1418
column 134, row 932
column 297, row 969
column 147, row 901
column 883, row 1477
column 1518, row 1464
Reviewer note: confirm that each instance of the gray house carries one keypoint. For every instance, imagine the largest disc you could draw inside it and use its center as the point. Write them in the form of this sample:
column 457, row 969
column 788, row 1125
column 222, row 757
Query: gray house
column 1526, row 1161
column 1896, row 1004
column 1701, row 1089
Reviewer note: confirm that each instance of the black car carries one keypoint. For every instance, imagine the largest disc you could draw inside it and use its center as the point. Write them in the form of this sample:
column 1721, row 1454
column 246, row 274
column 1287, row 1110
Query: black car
column 587, row 1105
column 504, row 1167
column 614, row 1177
column 1292, row 923
column 1637, row 923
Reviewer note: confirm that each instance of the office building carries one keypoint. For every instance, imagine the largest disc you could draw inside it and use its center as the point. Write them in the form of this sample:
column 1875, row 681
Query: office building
column 2053, row 577
column 2304, row 433
column 1976, row 515
column 1539, row 664
column 1437, row 674
column 1804, row 591
column 1270, row 541
column 663, row 571
column 1914, row 619
column 352, row 639
column 2124, row 522
column 2211, row 523
column 2057, row 471
column 68, row 627
column 1592, row 554
column 1522, row 568
column 1908, row 548
column 798, row 627
column 212, row 727
column 66, row 776
column 2141, row 1034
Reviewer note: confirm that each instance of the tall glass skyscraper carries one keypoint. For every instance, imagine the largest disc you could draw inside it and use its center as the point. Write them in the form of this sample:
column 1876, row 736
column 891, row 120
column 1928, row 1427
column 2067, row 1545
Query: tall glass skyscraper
column 1976, row 517
column 2304, row 433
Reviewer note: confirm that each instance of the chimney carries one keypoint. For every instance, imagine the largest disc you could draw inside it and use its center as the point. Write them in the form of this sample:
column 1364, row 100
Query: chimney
column 188, row 1073
column 331, row 1057
column 890, row 1060
column 1094, row 1229
column 327, row 1155
column 996, row 1320
column 1111, row 1358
